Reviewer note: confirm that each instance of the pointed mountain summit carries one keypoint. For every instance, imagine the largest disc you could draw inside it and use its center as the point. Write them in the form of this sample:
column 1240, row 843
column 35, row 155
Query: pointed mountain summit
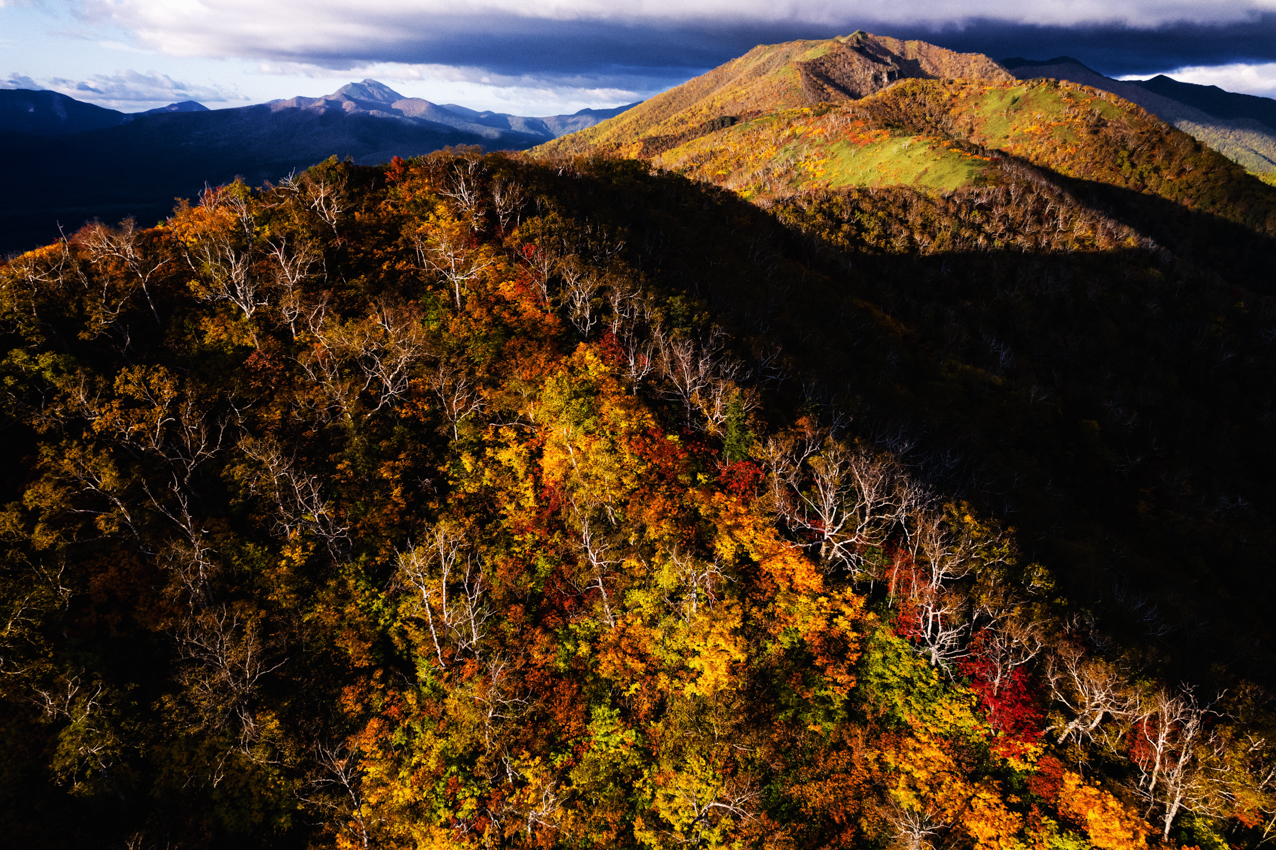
column 782, row 76
column 368, row 90
column 860, row 64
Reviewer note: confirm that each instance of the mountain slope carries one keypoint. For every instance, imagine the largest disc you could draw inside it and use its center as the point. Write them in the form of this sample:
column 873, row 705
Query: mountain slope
column 473, row 501
column 425, row 504
column 48, row 113
column 936, row 133
column 1241, row 127
column 774, row 77
column 942, row 164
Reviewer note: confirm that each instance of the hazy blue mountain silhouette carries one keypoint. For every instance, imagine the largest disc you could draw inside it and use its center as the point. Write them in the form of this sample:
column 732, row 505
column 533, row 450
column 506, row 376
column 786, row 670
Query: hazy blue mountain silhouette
column 76, row 162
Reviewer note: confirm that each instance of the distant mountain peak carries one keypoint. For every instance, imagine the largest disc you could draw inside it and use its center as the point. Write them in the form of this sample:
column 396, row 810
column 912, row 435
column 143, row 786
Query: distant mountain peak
column 183, row 106
column 1020, row 62
column 369, row 90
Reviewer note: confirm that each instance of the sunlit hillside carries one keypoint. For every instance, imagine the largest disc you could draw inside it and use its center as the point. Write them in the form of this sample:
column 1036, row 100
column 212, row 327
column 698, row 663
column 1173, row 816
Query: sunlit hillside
column 854, row 448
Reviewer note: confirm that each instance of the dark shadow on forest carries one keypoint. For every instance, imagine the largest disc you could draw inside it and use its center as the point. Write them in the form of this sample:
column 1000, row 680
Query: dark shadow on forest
column 1114, row 407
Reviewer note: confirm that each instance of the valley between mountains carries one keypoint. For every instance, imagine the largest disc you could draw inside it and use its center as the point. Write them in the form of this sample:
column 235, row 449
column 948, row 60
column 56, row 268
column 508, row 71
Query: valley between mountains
column 862, row 445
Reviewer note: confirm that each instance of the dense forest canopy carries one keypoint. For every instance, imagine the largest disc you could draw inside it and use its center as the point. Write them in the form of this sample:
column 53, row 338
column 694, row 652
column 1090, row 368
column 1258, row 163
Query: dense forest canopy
column 426, row 505
column 500, row 501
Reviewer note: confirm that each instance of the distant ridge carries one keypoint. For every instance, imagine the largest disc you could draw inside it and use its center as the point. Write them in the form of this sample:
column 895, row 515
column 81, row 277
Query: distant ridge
column 80, row 162
column 184, row 106
column 1214, row 100
column 48, row 113
column 376, row 99
column 1240, row 126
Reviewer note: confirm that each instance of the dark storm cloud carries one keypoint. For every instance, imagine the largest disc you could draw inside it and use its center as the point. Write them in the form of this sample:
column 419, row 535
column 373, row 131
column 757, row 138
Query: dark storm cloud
column 663, row 54
column 658, row 43
column 1115, row 50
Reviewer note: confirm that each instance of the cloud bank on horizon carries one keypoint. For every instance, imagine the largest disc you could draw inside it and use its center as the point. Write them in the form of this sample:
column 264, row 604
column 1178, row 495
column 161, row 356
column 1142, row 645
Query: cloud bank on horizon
column 595, row 52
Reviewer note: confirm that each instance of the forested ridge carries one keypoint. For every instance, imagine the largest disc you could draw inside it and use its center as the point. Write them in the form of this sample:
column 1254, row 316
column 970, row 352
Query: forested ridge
column 486, row 501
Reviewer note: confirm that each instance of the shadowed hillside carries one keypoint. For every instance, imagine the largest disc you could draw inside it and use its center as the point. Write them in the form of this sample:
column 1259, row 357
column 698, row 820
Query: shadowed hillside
column 916, row 493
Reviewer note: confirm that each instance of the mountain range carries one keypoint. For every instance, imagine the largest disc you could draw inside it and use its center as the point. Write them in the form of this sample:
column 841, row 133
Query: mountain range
column 80, row 162
column 856, row 447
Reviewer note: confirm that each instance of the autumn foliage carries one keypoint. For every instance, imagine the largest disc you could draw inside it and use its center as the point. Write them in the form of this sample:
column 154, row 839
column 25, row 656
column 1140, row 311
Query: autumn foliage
column 416, row 506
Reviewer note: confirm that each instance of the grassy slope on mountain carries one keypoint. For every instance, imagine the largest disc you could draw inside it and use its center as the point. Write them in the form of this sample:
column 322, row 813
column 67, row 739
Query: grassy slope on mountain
column 745, row 126
column 1236, row 135
column 795, row 150
column 771, row 78
column 239, row 500
column 1084, row 133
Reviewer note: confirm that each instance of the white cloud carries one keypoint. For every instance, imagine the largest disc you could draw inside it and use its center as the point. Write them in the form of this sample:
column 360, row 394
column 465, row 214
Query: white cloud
column 128, row 90
column 1247, row 79
column 18, row 81
column 475, row 88
column 375, row 28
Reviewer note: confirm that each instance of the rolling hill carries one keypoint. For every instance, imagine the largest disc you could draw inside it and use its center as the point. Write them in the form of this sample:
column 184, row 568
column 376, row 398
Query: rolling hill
column 771, row 78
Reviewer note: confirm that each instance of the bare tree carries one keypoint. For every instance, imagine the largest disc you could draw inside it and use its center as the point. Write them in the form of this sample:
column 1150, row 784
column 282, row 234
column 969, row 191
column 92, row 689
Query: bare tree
column 323, row 192
column 1010, row 638
column 88, row 735
column 462, row 184
column 844, row 501
column 1171, row 752
column 599, row 557
column 450, row 589
column 292, row 263
column 914, row 827
column 222, row 256
column 391, row 348
column 296, row 496
column 123, row 244
column 338, row 787
column 580, row 295
column 453, row 256
column 507, row 198
column 1090, row 688
column 228, row 654
column 688, row 368
column 492, row 697
column 459, row 395
column 699, row 583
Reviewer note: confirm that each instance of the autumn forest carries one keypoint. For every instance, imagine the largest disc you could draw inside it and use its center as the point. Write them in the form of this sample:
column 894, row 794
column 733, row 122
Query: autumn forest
column 572, row 499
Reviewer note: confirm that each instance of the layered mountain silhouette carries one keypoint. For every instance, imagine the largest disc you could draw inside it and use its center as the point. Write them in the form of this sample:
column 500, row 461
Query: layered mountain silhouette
column 1240, row 126
column 80, row 162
